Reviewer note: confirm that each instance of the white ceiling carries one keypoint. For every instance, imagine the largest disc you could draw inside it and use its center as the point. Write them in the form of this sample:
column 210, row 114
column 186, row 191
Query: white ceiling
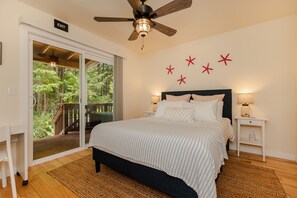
column 204, row 18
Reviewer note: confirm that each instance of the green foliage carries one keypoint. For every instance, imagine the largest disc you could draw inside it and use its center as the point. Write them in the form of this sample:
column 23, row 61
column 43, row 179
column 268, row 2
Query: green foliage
column 100, row 83
column 70, row 84
column 45, row 84
column 45, row 79
column 55, row 86
column 43, row 125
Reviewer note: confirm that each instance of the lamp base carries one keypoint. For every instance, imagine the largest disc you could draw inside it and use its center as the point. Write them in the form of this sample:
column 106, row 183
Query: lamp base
column 155, row 107
column 245, row 111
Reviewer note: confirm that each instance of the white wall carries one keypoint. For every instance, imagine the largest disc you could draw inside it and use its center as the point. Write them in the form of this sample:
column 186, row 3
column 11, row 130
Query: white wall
column 10, row 13
column 264, row 63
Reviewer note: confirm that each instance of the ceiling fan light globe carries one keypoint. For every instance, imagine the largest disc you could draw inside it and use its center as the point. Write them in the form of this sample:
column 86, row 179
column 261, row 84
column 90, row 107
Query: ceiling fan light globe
column 143, row 26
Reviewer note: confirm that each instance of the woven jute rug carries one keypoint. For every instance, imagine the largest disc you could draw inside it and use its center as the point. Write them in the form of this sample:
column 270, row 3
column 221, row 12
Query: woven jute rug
column 238, row 179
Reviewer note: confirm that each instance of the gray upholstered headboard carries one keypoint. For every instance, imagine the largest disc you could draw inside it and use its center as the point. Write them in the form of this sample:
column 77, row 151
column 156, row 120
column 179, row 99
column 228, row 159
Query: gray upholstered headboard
column 227, row 108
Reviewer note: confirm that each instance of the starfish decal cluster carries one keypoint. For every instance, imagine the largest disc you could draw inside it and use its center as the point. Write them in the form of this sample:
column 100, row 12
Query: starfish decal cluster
column 182, row 80
column 225, row 59
column 190, row 61
column 169, row 69
column 207, row 68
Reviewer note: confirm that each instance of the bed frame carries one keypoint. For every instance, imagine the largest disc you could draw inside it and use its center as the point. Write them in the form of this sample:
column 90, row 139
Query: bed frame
column 155, row 178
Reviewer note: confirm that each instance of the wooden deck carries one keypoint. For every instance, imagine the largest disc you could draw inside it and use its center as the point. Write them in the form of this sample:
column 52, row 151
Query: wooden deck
column 59, row 143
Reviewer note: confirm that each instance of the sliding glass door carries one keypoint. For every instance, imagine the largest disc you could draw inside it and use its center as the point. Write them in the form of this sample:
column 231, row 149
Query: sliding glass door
column 56, row 111
column 99, row 108
column 72, row 90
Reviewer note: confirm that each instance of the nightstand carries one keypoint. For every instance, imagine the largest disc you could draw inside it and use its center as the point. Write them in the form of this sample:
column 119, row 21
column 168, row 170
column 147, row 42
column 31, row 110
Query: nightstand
column 251, row 140
column 148, row 113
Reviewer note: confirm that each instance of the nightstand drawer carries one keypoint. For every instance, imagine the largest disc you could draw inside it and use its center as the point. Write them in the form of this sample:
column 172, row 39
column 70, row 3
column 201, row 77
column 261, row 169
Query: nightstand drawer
column 251, row 122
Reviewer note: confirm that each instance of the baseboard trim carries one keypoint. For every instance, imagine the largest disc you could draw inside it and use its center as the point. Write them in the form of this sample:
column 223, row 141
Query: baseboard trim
column 255, row 150
column 282, row 155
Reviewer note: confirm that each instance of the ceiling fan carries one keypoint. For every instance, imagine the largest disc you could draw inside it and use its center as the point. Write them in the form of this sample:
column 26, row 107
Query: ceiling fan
column 51, row 59
column 143, row 15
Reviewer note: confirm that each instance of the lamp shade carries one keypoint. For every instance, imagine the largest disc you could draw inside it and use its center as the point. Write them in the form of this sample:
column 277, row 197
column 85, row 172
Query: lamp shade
column 246, row 98
column 155, row 99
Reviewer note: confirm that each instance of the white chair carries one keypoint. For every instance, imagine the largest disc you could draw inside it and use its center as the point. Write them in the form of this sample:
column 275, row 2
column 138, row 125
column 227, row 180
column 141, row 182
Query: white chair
column 6, row 156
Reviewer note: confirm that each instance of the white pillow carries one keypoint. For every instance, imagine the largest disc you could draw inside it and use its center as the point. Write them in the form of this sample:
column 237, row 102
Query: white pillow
column 179, row 114
column 220, row 110
column 162, row 105
column 205, row 110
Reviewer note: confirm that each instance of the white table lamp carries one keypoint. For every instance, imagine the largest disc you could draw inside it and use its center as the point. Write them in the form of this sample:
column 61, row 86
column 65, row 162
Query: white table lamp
column 245, row 100
column 155, row 100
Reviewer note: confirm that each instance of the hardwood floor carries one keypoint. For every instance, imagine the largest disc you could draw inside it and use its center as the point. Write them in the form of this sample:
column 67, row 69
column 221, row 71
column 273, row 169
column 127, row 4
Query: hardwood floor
column 285, row 170
column 43, row 185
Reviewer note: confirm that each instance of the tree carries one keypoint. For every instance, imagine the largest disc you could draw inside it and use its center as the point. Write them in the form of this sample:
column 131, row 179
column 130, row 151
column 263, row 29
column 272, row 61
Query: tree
column 100, row 83
column 45, row 82
column 70, row 85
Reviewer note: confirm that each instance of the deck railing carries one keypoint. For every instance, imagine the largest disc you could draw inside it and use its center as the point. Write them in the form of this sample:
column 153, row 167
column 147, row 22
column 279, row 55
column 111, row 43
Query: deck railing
column 66, row 118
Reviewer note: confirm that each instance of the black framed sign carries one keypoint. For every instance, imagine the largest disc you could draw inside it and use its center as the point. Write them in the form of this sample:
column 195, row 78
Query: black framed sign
column 61, row 25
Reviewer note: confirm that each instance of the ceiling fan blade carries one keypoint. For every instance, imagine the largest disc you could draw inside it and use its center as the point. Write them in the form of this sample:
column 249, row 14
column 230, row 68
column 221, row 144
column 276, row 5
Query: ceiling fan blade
column 133, row 36
column 174, row 6
column 164, row 29
column 135, row 4
column 112, row 19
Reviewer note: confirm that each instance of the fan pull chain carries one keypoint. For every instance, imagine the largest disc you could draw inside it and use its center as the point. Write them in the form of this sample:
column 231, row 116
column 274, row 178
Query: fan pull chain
column 142, row 43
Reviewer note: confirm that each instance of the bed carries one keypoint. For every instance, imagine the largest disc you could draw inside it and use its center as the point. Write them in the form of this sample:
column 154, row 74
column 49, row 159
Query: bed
column 173, row 181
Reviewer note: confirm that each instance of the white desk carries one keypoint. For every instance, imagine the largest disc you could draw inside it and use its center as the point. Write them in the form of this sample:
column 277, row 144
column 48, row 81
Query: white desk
column 19, row 136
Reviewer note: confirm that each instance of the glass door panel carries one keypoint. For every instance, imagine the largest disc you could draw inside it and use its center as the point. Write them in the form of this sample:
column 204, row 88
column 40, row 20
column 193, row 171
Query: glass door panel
column 56, row 91
column 99, row 108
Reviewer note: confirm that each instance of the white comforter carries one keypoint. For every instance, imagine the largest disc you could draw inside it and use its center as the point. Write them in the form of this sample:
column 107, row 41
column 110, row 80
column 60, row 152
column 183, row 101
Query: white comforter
column 193, row 152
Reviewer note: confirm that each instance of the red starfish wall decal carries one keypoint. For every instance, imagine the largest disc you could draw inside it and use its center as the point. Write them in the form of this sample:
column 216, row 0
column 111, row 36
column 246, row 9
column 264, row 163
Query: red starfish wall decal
column 190, row 61
column 169, row 69
column 224, row 59
column 182, row 79
column 206, row 68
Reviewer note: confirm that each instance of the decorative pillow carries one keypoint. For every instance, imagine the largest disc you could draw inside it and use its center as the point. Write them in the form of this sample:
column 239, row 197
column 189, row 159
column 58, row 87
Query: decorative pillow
column 218, row 97
column 185, row 97
column 205, row 110
column 162, row 105
column 179, row 114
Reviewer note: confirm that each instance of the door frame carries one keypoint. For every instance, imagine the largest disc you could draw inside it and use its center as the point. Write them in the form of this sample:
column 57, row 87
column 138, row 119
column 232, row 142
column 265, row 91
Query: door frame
column 27, row 35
